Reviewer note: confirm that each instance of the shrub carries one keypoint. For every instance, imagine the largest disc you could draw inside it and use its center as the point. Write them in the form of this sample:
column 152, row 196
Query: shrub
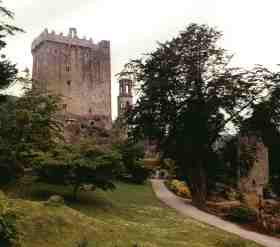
column 179, row 188
column 242, row 215
column 8, row 233
column 232, row 194
column 135, row 169
column 84, row 164
column 139, row 173
column 9, row 169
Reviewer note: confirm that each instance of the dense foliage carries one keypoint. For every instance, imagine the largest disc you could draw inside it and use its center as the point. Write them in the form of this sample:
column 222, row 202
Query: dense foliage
column 83, row 165
column 188, row 94
column 8, row 232
column 28, row 124
column 132, row 158
column 8, row 71
column 242, row 215
column 8, row 75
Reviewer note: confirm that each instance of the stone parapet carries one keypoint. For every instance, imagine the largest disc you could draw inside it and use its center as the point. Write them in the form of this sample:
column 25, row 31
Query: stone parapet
column 71, row 39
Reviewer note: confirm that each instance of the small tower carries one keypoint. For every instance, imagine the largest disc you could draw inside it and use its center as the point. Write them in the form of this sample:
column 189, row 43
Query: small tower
column 125, row 98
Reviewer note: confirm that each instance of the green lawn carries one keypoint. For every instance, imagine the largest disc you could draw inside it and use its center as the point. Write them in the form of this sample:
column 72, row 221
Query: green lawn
column 132, row 216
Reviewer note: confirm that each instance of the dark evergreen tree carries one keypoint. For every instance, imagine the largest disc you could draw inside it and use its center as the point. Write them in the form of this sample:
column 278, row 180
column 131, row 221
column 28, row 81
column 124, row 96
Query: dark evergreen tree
column 8, row 70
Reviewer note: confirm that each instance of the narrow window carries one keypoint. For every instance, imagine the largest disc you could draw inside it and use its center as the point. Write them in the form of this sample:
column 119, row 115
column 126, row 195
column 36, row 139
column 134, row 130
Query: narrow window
column 89, row 111
column 68, row 68
column 64, row 106
column 69, row 83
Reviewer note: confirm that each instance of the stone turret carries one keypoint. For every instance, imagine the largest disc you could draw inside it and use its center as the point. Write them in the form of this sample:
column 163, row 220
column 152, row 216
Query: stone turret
column 125, row 98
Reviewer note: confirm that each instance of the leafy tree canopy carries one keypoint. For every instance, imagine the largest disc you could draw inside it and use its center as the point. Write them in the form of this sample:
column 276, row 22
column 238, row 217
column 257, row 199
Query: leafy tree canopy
column 8, row 71
column 78, row 165
column 188, row 94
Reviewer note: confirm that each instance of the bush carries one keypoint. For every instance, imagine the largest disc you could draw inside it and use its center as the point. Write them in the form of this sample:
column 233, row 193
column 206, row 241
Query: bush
column 139, row 173
column 232, row 194
column 83, row 164
column 9, row 169
column 135, row 169
column 179, row 188
column 242, row 215
column 8, row 233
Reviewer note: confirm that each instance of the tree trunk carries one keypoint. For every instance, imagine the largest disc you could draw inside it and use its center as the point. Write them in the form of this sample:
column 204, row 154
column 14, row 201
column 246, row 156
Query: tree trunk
column 75, row 191
column 198, row 184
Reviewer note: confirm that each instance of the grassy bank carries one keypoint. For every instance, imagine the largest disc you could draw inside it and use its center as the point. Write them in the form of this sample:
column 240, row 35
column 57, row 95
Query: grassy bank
column 129, row 216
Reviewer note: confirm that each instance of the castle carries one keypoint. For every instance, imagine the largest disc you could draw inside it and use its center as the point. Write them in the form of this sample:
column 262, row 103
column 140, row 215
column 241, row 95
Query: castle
column 78, row 70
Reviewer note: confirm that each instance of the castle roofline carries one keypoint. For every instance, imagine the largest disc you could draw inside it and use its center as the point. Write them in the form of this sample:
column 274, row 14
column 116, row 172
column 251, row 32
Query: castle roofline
column 71, row 39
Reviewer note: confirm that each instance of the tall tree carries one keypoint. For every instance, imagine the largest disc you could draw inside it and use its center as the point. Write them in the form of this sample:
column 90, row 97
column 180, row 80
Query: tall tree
column 8, row 70
column 8, row 75
column 28, row 124
column 188, row 94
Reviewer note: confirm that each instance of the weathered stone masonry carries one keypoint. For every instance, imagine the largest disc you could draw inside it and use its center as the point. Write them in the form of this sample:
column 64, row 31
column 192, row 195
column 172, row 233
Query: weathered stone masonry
column 77, row 69
column 125, row 98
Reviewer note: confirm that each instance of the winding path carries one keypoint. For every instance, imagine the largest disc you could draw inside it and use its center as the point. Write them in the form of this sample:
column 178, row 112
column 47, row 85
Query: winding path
column 188, row 210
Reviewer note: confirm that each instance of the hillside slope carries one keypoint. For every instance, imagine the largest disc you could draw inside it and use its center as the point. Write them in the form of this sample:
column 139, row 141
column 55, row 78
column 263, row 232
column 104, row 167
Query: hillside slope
column 45, row 224
column 129, row 216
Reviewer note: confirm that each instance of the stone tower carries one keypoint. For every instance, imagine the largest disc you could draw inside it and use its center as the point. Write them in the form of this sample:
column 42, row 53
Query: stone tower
column 78, row 70
column 125, row 98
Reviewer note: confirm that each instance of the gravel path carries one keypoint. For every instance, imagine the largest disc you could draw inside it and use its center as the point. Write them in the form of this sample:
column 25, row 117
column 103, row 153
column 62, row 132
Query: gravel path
column 188, row 210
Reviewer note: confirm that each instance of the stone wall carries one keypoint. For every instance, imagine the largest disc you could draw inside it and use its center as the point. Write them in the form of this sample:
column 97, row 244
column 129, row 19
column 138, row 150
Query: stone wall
column 78, row 70
column 257, row 176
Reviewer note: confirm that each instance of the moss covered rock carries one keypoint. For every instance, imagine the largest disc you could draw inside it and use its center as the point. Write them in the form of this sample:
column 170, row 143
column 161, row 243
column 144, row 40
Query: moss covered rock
column 55, row 200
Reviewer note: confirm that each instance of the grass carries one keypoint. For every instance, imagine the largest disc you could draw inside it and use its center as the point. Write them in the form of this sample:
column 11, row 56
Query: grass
column 129, row 216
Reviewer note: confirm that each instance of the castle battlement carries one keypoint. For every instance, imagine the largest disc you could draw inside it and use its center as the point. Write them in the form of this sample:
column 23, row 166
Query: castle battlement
column 71, row 39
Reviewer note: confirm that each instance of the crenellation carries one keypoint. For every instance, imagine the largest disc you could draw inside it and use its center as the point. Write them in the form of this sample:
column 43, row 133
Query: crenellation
column 71, row 39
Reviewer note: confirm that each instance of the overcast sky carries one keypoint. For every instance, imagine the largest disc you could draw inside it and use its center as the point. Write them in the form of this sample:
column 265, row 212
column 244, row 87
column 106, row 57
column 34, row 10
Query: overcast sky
column 251, row 27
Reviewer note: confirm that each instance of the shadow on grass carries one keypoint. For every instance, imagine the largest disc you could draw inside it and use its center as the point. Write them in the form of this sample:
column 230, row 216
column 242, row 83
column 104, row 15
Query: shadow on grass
column 42, row 192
